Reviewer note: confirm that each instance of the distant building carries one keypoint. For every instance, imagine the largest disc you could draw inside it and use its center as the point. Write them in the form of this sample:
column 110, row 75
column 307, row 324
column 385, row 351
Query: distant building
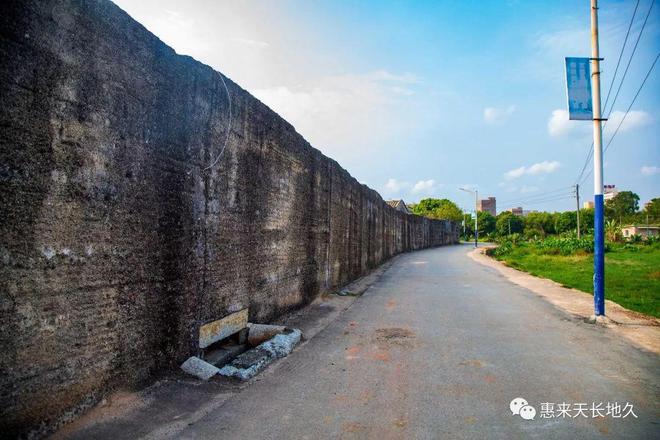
column 516, row 211
column 642, row 230
column 488, row 205
column 528, row 212
column 399, row 205
column 609, row 192
column 588, row 205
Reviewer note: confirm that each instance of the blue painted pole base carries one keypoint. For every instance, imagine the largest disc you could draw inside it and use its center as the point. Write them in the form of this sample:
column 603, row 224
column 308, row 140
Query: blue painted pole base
column 599, row 256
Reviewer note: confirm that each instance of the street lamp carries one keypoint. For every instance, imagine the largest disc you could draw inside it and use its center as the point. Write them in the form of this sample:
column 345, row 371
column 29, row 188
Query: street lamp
column 476, row 204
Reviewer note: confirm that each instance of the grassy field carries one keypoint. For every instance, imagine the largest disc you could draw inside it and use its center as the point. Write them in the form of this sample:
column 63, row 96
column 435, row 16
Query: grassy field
column 632, row 273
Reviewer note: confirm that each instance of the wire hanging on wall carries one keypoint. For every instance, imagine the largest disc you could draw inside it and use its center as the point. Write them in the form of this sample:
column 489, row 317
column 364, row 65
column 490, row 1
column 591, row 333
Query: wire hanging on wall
column 222, row 150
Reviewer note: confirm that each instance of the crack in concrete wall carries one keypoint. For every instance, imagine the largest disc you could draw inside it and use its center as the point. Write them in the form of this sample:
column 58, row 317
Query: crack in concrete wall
column 117, row 244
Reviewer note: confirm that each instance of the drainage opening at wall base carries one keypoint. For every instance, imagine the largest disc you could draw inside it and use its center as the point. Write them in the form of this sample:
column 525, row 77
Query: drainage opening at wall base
column 232, row 347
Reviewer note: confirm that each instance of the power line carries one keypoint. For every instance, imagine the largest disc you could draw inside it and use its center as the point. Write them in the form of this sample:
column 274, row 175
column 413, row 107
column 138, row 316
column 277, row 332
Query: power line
column 609, row 91
column 555, row 199
column 543, row 200
column 625, row 40
column 551, row 200
column 586, row 176
column 648, row 73
column 633, row 101
column 561, row 188
column 523, row 199
column 537, row 199
column 625, row 72
column 586, row 162
column 556, row 194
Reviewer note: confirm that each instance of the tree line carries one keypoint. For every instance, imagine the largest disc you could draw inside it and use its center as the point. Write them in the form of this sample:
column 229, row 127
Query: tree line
column 623, row 209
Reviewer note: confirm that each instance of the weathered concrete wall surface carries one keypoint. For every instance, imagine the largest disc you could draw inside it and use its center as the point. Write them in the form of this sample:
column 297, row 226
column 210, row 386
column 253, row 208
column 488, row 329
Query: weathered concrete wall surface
column 117, row 243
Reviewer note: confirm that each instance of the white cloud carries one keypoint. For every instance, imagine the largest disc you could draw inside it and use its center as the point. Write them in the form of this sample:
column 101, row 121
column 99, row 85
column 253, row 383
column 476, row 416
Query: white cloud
column 560, row 125
column 251, row 43
column 393, row 186
column 635, row 119
column 384, row 75
column 567, row 42
column 515, row 173
column 423, row 187
column 344, row 112
column 508, row 187
column 511, row 188
column 650, row 170
column 401, row 91
column 493, row 115
column 397, row 188
column 544, row 167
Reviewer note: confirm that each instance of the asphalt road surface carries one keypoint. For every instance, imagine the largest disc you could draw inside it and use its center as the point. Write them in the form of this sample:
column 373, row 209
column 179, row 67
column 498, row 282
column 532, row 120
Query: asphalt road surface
column 438, row 348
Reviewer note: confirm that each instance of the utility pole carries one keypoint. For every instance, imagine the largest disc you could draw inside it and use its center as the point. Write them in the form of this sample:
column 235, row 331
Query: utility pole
column 476, row 218
column 509, row 225
column 599, row 232
column 476, row 211
column 577, row 211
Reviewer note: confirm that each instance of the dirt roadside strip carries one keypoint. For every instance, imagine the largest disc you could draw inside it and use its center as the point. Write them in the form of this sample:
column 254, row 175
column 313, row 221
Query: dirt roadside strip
column 641, row 330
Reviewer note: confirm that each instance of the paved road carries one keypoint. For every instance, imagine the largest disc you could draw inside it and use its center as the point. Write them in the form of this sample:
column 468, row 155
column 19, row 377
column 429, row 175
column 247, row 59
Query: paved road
column 437, row 348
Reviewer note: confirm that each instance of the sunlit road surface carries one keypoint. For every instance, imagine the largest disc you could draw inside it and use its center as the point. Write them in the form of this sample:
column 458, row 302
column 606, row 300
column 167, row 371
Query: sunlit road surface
column 438, row 348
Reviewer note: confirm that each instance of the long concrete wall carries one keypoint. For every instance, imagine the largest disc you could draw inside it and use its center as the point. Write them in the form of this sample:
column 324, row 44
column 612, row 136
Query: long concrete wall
column 118, row 241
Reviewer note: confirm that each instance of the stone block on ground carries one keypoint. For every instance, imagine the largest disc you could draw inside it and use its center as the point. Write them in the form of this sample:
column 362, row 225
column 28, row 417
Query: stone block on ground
column 281, row 345
column 199, row 368
column 247, row 365
column 250, row 363
column 250, row 358
column 258, row 333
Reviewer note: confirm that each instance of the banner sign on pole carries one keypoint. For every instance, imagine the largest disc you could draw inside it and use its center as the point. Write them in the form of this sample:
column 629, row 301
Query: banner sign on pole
column 578, row 86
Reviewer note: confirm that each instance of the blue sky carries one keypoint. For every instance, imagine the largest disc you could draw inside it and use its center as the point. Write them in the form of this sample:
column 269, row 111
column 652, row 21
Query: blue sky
column 418, row 98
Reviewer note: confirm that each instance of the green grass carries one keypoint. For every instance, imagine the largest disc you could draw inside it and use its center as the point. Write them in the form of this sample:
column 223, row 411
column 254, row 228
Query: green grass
column 632, row 273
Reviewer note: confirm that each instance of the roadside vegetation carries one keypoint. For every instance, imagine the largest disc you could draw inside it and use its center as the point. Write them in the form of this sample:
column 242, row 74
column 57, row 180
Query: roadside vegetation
column 546, row 245
column 632, row 270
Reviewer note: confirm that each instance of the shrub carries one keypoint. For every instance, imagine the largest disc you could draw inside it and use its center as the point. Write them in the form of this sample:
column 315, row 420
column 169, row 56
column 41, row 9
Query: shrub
column 652, row 240
column 612, row 231
column 506, row 245
column 516, row 238
column 630, row 247
column 565, row 245
column 503, row 249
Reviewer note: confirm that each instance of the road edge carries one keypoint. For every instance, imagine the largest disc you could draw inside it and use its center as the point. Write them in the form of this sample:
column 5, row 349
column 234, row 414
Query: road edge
column 640, row 330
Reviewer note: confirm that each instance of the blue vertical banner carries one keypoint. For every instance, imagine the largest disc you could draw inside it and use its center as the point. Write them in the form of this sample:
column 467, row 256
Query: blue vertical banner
column 578, row 88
